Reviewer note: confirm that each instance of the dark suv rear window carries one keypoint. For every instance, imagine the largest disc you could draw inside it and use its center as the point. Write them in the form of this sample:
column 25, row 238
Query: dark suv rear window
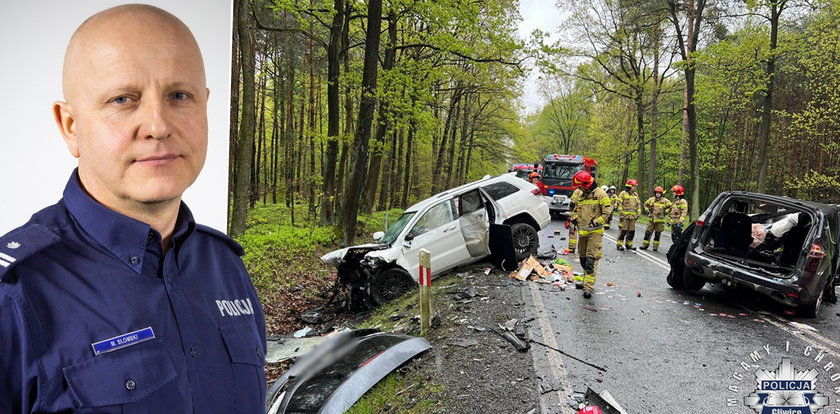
column 500, row 190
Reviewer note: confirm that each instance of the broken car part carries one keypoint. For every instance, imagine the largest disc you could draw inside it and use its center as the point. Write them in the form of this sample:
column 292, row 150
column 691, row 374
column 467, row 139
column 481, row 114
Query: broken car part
column 334, row 375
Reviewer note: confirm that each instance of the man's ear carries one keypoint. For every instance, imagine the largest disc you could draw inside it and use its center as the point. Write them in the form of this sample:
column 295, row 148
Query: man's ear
column 66, row 121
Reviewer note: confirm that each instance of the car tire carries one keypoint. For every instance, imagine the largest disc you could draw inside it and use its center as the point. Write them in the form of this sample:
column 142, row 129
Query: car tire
column 811, row 310
column 391, row 284
column 674, row 280
column 526, row 240
column 690, row 281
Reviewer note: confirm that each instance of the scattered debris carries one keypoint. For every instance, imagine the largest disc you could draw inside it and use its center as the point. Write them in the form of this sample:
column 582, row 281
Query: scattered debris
column 465, row 343
column 590, row 309
column 313, row 316
column 638, row 294
column 803, row 326
column 605, row 401
column 511, row 337
column 610, row 284
column 302, row 332
column 487, row 271
column 561, row 352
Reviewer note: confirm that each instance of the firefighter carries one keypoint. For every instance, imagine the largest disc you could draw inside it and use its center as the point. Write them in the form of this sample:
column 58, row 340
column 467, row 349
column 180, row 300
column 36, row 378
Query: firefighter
column 609, row 219
column 628, row 211
column 613, row 202
column 656, row 208
column 571, row 224
column 679, row 210
column 592, row 208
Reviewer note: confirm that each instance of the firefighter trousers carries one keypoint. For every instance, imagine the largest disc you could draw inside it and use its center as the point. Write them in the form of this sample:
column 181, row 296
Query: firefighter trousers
column 590, row 244
column 573, row 237
column 655, row 227
column 628, row 231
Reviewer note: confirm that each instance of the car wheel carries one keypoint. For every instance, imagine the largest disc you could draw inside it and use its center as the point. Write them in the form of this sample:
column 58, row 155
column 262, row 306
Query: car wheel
column 391, row 284
column 812, row 309
column 690, row 281
column 525, row 240
column 674, row 281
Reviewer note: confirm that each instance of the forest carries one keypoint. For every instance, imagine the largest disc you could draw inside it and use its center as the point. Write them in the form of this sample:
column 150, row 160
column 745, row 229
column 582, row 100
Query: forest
column 346, row 107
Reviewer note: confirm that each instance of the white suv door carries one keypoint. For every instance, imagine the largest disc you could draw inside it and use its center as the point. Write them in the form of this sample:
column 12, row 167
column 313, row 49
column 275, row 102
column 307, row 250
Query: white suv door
column 437, row 231
column 474, row 224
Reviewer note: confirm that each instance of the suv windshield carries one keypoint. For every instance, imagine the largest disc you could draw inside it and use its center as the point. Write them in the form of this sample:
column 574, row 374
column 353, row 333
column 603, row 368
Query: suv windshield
column 561, row 171
column 396, row 228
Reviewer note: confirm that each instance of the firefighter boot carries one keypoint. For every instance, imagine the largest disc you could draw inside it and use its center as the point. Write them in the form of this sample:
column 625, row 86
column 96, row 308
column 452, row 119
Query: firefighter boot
column 646, row 241
column 578, row 279
column 619, row 242
column 631, row 234
column 588, row 276
column 656, row 240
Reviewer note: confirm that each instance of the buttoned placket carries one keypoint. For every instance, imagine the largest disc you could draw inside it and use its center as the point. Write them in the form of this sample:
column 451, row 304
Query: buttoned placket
column 184, row 318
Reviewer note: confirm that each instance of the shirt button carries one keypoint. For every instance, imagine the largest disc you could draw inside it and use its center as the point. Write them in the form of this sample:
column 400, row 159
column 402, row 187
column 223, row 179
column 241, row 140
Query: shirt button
column 134, row 260
column 193, row 352
column 130, row 385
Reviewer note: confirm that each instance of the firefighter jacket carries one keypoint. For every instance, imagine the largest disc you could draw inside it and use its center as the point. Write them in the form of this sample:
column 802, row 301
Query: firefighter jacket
column 615, row 202
column 592, row 210
column 657, row 209
column 629, row 205
column 679, row 209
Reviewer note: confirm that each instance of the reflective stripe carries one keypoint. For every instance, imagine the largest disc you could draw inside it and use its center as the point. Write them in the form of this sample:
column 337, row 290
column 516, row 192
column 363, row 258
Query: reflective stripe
column 587, row 232
column 588, row 202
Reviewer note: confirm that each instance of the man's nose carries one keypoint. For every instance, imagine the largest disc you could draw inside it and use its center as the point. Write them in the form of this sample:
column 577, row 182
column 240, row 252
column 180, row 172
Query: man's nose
column 155, row 122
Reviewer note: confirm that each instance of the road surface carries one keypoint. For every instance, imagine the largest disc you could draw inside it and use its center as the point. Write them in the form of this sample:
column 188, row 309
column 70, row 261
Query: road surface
column 665, row 350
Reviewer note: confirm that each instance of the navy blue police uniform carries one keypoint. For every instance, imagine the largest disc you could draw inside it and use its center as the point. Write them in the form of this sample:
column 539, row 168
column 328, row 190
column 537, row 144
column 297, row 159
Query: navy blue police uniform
column 96, row 317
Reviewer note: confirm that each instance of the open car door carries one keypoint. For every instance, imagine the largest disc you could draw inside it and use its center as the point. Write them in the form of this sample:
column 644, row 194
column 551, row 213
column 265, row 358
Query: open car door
column 474, row 223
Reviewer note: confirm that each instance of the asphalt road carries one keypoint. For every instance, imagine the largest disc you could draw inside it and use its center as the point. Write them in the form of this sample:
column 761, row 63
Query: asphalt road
column 665, row 350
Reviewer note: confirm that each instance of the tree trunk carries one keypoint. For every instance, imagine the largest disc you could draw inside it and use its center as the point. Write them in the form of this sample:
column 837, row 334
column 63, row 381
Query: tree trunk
column 640, row 127
column 233, row 140
column 366, row 110
column 407, row 165
column 333, row 115
column 776, row 8
column 241, row 188
column 654, row 109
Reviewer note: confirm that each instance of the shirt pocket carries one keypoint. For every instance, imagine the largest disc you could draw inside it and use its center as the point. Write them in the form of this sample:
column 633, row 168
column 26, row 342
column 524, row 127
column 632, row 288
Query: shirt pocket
column 129, row 380
column 247, row 361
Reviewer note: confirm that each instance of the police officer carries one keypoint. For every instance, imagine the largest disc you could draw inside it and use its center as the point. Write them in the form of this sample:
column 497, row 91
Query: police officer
column 114, row 300
column 679, row 210
column 656, row 207
column 592, row 209
column 629, row 206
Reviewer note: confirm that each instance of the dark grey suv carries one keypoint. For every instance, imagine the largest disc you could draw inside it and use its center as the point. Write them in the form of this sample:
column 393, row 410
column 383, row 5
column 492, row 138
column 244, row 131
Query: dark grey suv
column 784, row 248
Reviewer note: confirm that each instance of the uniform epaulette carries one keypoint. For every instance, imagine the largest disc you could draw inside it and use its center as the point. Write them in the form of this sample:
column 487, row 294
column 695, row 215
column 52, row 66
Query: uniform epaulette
column 23, row 242
column 236, row 247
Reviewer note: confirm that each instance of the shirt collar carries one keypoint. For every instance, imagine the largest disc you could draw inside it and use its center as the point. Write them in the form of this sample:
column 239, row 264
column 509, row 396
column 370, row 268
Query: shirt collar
column 123, row 236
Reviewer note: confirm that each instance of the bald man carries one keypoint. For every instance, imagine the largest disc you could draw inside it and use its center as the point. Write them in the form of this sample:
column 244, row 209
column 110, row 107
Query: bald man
column 114, row 300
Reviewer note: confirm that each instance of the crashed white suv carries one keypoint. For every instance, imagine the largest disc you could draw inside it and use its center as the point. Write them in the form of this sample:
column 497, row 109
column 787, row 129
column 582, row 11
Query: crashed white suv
column 454, row 226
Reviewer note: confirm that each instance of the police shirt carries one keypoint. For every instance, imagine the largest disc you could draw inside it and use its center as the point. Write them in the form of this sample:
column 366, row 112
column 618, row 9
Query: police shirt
column 95, row 317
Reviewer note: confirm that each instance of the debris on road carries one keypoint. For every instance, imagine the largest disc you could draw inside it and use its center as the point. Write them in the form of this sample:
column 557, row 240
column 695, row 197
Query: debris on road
column 638, row 294
column 803, row 326
column 605, row 401
column 314, row 316
column 511, row 337
column 300, row 333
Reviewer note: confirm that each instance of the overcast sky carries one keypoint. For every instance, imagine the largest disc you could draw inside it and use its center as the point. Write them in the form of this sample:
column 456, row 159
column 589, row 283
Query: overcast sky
column 543, row 15
column 34, row 161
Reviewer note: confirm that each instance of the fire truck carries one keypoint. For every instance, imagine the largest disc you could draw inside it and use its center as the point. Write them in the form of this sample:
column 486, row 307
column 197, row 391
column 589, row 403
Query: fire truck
column 523, row 170
column 558, row 171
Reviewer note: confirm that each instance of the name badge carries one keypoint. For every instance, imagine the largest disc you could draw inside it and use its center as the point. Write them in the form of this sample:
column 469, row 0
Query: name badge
column 122, row 341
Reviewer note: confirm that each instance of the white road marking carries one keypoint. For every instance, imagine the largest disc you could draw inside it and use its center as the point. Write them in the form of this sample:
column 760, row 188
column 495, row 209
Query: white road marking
column 558, row 368
column 830, row 347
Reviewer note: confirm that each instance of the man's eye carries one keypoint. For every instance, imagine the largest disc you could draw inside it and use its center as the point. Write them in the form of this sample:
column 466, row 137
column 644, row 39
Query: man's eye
column 120, row 100
column 179, row 96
